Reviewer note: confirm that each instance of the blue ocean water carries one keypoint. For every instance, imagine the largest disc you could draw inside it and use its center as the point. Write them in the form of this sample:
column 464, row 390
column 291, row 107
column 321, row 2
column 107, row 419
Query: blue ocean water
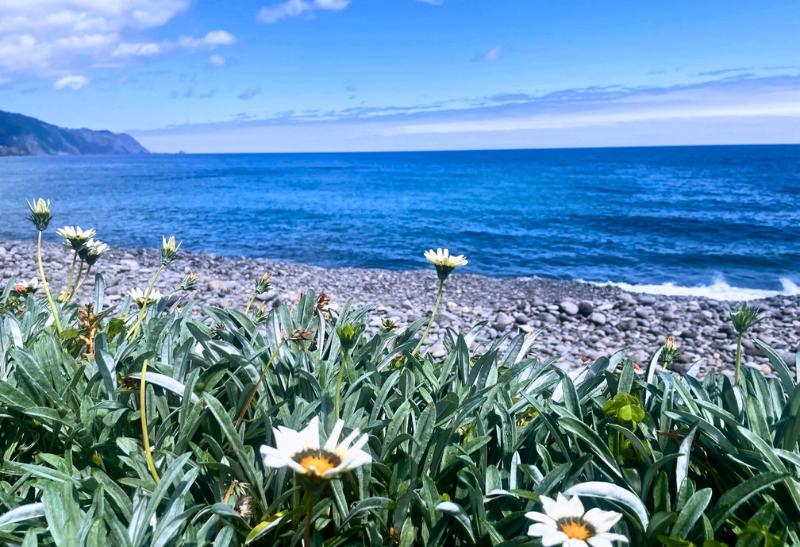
column 689, row 216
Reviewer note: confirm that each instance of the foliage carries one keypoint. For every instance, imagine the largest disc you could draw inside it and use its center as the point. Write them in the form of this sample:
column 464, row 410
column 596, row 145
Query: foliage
column 462, row 446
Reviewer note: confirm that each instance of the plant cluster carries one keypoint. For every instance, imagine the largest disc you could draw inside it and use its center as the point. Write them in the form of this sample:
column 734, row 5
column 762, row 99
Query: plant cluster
column 162, row 423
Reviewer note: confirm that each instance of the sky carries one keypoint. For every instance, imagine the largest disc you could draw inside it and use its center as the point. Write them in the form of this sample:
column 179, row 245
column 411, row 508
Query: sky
column 346, row 75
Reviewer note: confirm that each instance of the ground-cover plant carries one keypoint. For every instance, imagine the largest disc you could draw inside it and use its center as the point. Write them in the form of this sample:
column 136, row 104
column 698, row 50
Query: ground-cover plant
column 198, row 429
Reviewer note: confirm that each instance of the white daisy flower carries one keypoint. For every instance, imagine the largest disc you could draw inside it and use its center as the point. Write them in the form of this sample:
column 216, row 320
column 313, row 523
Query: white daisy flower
column 75, row 236
column 92, row 250
column 444, row 261
column 564, row 522
column 301, row 451
column 139, row 298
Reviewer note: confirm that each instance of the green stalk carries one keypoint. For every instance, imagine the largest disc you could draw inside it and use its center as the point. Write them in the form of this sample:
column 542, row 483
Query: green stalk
column 45, row 286
column 337, row 399
column 68, row 287
column 151, row 465
column 250, row 303
column 246, row 405
column 143, row 309
column 309, row 513
column 78, row 281
column 436, row 305
column 738, row 360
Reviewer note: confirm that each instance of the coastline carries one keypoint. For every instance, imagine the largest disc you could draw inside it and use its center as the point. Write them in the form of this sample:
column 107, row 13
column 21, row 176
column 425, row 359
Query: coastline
column 578, row 320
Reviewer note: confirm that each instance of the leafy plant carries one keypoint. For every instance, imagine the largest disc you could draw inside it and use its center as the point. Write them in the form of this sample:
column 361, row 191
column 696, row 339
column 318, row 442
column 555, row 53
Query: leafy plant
column 462, row 447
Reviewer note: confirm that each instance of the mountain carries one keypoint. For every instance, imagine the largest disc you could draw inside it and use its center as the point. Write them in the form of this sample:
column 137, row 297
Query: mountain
column 25, row 136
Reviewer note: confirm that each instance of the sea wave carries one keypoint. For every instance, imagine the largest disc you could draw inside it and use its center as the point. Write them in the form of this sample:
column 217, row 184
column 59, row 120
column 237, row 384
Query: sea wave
column 719, row 289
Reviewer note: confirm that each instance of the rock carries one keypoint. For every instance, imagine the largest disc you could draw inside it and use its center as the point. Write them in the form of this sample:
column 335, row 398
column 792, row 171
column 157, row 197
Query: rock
column 521, row 318
column 549, row 318
column 585, row 308
column 626, row 325
column 502, row 321
column 438, row 351
column 570, row 308
column 647, row 299
column 128, row 265
column 598, row 318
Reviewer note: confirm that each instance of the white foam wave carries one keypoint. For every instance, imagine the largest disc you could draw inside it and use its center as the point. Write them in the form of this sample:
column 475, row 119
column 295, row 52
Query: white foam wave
column 718, row 290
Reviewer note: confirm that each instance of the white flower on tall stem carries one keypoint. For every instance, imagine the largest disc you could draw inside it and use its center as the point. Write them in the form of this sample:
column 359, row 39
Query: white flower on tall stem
column 141, row 298
column 75, row 236
column 301, row 451
column 94, row 249
column 565, row 522
column 444, row 261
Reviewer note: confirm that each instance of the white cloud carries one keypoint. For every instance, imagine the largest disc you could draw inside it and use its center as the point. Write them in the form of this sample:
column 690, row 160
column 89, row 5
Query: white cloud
column 140, row 49
column 210, row 40
column 293, row 8
column 217, row 60
column 493, row 54
column 73, row 81
column 54, row 37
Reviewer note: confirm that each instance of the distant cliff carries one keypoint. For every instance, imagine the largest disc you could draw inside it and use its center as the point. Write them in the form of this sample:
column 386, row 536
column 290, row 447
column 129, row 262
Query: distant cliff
column 25, row 136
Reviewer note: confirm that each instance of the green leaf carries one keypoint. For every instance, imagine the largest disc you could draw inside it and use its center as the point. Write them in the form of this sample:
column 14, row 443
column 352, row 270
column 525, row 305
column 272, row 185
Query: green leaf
column 736, row 496
column 691, row 512
column 612, row 492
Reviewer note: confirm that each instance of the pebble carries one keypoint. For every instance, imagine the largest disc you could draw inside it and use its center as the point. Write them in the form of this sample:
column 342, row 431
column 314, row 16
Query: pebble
column 570, row 308
column 578, row 319
column 598, row 318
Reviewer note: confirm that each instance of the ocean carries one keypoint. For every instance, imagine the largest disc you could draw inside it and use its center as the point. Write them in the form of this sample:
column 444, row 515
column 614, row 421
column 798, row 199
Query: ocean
column 720, row 221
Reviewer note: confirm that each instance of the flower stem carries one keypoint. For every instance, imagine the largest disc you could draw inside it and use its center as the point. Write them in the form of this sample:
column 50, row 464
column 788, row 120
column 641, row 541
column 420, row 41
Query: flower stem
column 738, row 360
column 250, row 303
column 246, row 405
column 68, row 287
column 143, row 309
column 79, row 280
column 309, row 512
column 143, row 413
column 337, row 398
column 436, row 305
column 45, row 286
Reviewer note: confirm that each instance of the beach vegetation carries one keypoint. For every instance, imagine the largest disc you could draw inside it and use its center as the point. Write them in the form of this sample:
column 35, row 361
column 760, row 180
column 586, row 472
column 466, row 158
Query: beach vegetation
column 156, row 421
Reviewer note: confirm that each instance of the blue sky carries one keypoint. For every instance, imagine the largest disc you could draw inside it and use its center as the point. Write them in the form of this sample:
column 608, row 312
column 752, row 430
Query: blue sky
column 319, row 75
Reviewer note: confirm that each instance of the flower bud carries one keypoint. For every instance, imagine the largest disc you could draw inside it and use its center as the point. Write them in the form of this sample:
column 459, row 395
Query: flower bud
column 169, row 250
column 40, row 213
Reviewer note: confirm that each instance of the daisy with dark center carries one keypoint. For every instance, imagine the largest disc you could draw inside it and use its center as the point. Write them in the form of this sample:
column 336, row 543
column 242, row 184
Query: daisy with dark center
column 565, row 522
column 314, row 463
column 302, row 452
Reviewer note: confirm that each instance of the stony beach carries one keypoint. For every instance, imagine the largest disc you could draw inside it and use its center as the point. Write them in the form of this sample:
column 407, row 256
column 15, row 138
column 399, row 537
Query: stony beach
column 576, row 320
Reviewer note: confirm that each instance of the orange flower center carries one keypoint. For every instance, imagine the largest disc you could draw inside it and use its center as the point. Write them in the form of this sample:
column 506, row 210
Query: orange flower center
column 317, row 461
column 576, row 529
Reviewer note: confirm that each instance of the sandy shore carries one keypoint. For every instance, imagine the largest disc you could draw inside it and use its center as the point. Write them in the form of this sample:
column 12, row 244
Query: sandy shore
column 577, row 320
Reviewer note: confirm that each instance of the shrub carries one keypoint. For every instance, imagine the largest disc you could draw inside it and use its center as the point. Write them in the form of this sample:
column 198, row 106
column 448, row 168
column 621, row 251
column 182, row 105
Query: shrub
column 462, row 447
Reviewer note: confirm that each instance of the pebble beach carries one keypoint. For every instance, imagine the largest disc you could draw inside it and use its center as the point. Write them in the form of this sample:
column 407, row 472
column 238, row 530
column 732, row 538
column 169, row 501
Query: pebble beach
column 576, row 321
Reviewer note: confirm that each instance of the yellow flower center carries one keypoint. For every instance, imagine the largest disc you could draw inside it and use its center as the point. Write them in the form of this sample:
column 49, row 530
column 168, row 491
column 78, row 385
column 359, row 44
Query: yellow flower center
column 317, row 461
column 576, row 529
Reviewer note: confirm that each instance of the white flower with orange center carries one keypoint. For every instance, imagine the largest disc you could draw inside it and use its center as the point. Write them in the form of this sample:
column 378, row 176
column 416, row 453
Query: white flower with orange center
column 302, row 452
column 565, row 522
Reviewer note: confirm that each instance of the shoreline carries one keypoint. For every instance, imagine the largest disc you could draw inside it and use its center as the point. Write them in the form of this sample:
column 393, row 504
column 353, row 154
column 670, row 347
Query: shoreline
column 577, row 319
